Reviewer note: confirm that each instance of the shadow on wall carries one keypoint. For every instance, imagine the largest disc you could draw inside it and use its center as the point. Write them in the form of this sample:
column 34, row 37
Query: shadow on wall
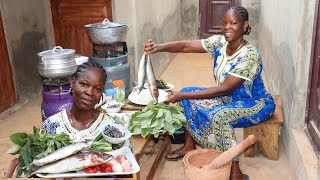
column 189, row 23
column 25, row 60
column 168, row 30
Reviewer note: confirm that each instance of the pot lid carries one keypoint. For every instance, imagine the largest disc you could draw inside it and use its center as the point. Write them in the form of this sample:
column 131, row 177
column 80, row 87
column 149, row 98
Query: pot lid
column 57, row 51
column 105, row 24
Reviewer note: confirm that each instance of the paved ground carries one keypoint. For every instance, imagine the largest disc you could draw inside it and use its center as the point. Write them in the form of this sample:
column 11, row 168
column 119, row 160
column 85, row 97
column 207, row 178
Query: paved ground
column 184, row 70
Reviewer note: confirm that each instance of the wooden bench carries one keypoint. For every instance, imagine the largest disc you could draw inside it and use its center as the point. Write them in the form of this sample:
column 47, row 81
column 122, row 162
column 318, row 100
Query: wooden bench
column 267, row 134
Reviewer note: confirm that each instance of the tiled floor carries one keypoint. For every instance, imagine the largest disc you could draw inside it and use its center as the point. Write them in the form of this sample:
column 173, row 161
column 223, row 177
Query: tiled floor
column 184, row 70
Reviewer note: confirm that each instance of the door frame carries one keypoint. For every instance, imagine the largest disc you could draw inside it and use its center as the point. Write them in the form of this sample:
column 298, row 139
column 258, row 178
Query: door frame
column 311, row 129
column 11, row 99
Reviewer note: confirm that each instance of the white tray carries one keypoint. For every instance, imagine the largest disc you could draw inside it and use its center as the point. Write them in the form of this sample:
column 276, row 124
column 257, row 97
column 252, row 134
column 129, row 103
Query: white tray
column 122, row 151
column 144, row 97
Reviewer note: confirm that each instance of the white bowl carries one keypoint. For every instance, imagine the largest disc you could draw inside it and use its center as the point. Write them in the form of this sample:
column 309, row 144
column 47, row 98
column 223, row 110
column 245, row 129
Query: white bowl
column 144, row 97
column 112, row 140
column 112, row 107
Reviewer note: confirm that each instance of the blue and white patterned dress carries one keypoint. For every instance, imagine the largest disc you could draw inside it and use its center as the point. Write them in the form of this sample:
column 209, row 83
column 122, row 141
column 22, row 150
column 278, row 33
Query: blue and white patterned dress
column 211, row 122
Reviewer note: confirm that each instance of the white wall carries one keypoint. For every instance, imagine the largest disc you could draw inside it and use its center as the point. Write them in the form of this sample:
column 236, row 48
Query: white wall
column 285, row 37
column 159, row 20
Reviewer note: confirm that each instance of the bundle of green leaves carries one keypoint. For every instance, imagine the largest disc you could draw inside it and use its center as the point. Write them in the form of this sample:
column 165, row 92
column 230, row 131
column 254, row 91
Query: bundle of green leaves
column 35, row 146
column 157, row 118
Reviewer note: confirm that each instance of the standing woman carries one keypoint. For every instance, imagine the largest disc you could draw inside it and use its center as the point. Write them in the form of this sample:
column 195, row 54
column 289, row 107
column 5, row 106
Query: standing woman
column 239, row 100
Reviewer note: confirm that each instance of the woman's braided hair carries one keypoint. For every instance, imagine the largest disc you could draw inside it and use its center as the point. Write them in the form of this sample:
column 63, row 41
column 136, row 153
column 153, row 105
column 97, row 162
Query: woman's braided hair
column 244, row 15
column 90, row 64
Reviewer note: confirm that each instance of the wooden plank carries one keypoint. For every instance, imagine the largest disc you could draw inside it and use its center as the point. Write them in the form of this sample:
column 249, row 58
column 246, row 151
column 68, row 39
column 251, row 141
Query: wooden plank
column 138, row 143
column 131, row 106
column 166, row 145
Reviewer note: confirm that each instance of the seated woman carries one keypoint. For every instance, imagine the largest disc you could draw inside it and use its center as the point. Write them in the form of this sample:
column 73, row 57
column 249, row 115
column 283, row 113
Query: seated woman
column 239, row 100
column 82, row 121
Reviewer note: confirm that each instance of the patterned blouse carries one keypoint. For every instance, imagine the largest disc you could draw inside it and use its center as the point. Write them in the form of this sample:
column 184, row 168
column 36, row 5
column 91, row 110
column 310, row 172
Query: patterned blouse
column 60, row 124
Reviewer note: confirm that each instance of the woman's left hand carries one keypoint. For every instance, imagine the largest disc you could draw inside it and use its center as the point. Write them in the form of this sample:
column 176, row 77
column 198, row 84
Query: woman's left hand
column 174, row 96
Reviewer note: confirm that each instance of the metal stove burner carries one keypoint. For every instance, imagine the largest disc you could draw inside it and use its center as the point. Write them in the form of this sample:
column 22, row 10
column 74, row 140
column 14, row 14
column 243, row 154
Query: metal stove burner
column 110, row 51
column 56, row 85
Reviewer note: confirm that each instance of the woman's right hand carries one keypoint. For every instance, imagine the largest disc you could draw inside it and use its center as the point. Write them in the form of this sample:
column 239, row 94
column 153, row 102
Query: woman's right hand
column 150, row 47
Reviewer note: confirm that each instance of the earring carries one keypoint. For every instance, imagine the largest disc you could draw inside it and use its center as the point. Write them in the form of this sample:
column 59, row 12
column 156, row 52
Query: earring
column 71, row 91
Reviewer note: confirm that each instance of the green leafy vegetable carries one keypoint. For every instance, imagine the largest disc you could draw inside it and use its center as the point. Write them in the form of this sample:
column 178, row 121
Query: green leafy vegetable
column 100, row 144
column 157, row 118
column 162, row 85
column 35, row 146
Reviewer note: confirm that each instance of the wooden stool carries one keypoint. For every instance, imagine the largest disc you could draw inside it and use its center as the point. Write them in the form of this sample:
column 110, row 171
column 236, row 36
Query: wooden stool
column 267, row 134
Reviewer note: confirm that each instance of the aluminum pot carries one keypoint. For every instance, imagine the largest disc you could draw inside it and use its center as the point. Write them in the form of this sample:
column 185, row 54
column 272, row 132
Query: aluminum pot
column 57, row 63
column 106, row 32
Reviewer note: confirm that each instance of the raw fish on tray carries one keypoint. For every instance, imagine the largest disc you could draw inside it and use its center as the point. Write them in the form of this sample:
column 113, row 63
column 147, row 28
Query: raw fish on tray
column 76, row 162
column 61, row 153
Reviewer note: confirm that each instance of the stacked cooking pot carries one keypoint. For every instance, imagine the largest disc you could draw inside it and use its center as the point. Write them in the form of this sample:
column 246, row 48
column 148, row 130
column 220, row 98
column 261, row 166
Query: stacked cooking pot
column 57, row 63
column 107, row 32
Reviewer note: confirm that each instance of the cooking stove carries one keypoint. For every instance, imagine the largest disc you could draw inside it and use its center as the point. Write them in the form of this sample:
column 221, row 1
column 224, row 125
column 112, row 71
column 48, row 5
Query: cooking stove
column 114, row 59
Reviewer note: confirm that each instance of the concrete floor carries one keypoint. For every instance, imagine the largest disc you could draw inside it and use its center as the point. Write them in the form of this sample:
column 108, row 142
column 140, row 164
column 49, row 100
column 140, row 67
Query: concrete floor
column 184, row 70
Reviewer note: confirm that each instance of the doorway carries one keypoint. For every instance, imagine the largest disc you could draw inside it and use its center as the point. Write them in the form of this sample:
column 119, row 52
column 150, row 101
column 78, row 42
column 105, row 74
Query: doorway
column 211, row 14
column 7, row 92
column 313, row 99
column 69, row 18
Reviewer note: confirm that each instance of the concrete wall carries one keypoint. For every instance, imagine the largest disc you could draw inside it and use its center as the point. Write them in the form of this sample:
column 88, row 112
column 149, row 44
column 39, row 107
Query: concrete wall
column 285, row 37
column 27, row 26
column 190, row 19
column 159, row 20
column 253, row 7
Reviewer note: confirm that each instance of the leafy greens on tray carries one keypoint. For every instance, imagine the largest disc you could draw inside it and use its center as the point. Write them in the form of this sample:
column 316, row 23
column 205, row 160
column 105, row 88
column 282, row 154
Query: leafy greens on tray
column 157, row 118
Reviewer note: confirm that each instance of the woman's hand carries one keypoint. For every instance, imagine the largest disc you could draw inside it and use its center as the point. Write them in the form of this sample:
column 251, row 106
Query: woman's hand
column 174, row 96
column 150, row 47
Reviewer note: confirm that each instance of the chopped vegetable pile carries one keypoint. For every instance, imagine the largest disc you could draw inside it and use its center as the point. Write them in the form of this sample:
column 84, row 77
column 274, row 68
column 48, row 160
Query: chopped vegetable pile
column 113, row 132
column 157, row 118
column 162, row 85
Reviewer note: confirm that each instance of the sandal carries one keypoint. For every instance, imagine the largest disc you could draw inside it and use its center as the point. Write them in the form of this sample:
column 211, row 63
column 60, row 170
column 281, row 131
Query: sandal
column 180, row 156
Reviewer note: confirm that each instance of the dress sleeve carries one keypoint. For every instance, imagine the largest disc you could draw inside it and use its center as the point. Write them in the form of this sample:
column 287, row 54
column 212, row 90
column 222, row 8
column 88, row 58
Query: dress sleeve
column 210, row 43
column 248, row 65
column 50, row 125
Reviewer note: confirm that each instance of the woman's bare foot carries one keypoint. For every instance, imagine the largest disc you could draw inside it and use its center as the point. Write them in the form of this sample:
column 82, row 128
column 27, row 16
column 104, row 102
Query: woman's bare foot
column 179, row 153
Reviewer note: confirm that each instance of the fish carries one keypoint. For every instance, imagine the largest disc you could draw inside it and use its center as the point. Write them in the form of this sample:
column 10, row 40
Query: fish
column 152, row 83
column 61, row 153
column 75, row 162
column 141, row 73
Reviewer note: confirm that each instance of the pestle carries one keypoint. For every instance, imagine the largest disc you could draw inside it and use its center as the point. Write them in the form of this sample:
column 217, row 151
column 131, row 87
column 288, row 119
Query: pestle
column 231, row 153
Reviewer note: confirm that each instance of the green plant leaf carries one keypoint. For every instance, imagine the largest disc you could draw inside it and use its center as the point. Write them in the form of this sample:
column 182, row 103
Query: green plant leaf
column 14, row 150
column 19, row 138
